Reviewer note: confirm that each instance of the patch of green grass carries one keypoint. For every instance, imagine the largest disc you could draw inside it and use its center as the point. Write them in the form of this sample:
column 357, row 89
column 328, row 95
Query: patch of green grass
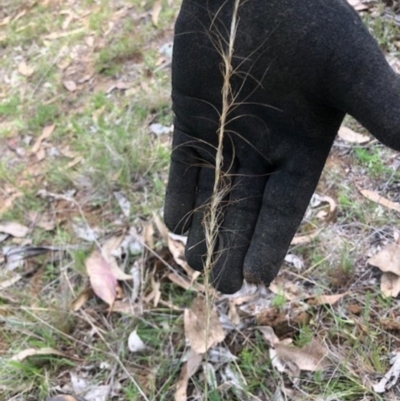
column 110, row 58
column 372, row 159
column 42, row 115
column 255, row 367
column 279, row 300
column 385, row 31
column 9, row 107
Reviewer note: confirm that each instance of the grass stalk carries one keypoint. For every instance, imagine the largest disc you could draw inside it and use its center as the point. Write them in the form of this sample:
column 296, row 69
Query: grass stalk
column 212, row 217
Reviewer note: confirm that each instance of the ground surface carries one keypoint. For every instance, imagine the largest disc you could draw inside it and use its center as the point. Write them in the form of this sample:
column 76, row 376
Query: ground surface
column 85, row 126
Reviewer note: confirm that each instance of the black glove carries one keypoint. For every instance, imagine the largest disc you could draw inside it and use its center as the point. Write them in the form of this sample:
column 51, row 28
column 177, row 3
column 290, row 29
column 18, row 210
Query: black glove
column 299, row 67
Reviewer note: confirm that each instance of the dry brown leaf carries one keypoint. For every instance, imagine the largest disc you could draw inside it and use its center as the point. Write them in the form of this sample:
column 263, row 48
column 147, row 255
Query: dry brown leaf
column 305, row 239
column 390, row 324
column 70, row 17
column 82, row 298
column 284, row 323
column 332, row 206
column 36, row 285
column 19, row 15
column 289, row 289
column 14, row 229
column 57, row 35
column 9, row 202
column 375, row 197
column 40, row 154
column 102, row 280
column 388, row 259
column 188, row 370
column 161, row 227
column 155, row 13
column 196, row 319
column 177, row 249
column 107, row 249
column 25, row 70
column 74, row 162
column 233, row 314
column 44, row 220
column 126, row 307
column 269, row 334
column 311, row 357
column 349, row 135
column 179, row 280
column 390, row 284
column 148, row 233
column 112, row 244
column 325, row 299
column 171, row 306
column 5, row 21
column 8, row 283
column 358, row 5
column 36, row 351
column 155, row 294
column 63, row 397
column 67, row 152
column 46, row 132
column 70, row 85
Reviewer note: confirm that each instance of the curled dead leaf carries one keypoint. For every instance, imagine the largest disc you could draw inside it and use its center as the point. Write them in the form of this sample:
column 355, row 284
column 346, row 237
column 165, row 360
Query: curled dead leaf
column 311, row 357
column 8, row 202
column 388, row 259
column 349, row 135
column 10, row 282
column 127, row 308
column 42, row 220
column 190, row 367
column 392, row 375
column 284, row 323
column 110, row 246
column 177, row 248
column 161, row 227
column 289, row 289
column 64, row 397
column 14, row 229
column 155, row 13
column 185, row 284
column 306, row 238
column 390, row 284
column 81, row 299
column 36, row 351
column 46, row 132
column 325, row 299
column 358, row 5
column 332, row 207
column 148, row 233
column 375, row 197
column 25, row 70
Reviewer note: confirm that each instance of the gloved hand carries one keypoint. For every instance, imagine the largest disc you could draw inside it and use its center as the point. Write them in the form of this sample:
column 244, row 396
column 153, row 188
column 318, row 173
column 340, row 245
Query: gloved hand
column 299, row 66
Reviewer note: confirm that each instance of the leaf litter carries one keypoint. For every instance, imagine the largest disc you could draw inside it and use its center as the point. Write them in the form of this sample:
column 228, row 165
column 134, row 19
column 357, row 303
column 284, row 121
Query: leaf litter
column 123, row 269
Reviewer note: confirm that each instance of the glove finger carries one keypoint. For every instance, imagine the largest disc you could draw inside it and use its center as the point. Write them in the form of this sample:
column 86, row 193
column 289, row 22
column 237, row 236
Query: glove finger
column 285, row 200
column 238, row 226
column 181, row 188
